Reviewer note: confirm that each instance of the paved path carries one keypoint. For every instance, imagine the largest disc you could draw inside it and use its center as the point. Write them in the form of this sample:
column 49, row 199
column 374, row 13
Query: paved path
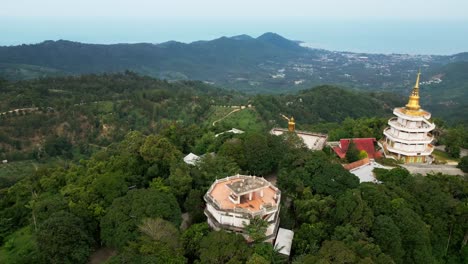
column 425, row 169
column 233, row 111
column 27, row 109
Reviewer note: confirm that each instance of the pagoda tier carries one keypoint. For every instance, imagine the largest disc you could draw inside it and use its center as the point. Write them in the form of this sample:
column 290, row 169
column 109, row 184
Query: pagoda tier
column 408, row 136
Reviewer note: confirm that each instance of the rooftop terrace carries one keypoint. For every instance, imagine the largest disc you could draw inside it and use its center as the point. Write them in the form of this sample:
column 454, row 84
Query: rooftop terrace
column 249, row 193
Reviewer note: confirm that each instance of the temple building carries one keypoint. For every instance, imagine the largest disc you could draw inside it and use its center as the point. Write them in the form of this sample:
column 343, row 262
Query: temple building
column 313, row 141
column 233, row 201
column 366, row 144
column 408, row 136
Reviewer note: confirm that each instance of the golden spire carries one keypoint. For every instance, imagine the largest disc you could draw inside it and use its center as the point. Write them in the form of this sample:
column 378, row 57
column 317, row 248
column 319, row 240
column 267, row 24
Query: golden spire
column 413, row 102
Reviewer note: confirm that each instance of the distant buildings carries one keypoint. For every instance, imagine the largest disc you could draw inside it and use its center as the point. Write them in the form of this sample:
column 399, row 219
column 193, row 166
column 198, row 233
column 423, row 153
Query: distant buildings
column 408, row 136
column 233, row 201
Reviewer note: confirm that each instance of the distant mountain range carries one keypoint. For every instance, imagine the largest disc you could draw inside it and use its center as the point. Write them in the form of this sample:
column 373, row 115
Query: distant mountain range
column 269, row 63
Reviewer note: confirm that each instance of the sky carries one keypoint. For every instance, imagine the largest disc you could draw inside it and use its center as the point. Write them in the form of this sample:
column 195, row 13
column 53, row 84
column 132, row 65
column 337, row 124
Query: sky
column 388, row 26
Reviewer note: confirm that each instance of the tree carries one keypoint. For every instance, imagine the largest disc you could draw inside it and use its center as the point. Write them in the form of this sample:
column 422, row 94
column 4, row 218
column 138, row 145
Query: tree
column 159, row 243
column 399, row 175
column 333, row 179
column 352, row 208
column 223, row 247
column 56, row 146
column 161, row 153
column 259, row 158
column 211, row 168
column 352, row 154
column 257, row 259
column 194, row 205
column 46, row 205
column 387, row 236
column 119, row 224
column 180, row 181
column 161, row 232
column 414, row 236
column 463, row 164
column 234, row 149
column 192, row 237
column 256, row 229
column 300, row 169
column 363, row 154
column 269, row 253
column 454, row 139
column 62, row 239
column 333, row 252
column 309, row 237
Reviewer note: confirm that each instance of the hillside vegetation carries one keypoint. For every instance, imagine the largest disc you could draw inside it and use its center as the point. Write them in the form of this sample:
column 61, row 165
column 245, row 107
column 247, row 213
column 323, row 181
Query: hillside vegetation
column 103, row 169
column 448, row 99
column 75, row 116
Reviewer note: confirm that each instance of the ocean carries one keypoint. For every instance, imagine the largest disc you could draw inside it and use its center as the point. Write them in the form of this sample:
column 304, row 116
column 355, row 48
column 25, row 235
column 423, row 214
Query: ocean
column 371, row 36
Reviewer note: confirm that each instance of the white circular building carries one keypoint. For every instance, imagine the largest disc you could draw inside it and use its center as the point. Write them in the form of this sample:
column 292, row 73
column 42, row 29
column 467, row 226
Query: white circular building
column 408, row 136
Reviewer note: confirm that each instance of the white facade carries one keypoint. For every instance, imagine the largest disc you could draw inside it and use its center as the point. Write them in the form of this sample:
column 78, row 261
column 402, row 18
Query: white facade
column 408, row 136
column 231, row 208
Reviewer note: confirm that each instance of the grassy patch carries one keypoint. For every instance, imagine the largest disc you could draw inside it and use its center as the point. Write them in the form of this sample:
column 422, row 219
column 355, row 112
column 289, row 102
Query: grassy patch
column 247, row 120
column 443, row 156
column 19, row 247
column 105, row 106
column 12, row 172
column 217, row 112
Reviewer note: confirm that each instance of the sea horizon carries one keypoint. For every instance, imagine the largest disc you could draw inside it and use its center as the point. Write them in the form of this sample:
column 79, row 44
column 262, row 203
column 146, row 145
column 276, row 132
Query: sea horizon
column 366, row 36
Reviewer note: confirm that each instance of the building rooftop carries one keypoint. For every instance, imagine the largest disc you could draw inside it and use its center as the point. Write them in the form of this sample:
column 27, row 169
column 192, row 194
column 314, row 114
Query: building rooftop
column 247, row 185
column 191, row 159
column 313, row 141
column 250, row 190
column 366, row 144
column 284, row 241
column 365, row 171
column 233, row 130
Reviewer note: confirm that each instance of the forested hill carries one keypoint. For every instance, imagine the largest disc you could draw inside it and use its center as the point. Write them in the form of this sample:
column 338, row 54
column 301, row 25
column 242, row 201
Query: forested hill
column 446, row 92
column 95, row 110
column 202, row 60
column 327, row 104
column 107, row 175
column 268, row 63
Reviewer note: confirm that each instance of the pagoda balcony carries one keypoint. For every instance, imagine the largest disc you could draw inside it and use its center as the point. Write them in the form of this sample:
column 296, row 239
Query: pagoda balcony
column 408, row 139
column 427, row 151
column 401, row 112
column 426, row 127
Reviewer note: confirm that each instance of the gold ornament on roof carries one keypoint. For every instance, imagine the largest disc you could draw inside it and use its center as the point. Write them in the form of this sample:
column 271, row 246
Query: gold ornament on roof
column 413, row 103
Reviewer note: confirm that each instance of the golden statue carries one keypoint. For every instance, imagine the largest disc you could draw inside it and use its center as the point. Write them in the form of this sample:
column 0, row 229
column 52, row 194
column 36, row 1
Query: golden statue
column 291, row 123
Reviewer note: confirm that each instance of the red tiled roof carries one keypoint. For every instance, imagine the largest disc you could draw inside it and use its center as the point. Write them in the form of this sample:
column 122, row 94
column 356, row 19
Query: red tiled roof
column 356, row 164
column 366, row 144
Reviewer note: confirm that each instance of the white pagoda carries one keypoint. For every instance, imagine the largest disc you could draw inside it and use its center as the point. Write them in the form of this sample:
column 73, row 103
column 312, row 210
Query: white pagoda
column 408, row 138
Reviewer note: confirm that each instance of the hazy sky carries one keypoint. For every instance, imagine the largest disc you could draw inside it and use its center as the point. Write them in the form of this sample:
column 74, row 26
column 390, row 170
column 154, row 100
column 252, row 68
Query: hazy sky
column 267, row 9
column 372, row 24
